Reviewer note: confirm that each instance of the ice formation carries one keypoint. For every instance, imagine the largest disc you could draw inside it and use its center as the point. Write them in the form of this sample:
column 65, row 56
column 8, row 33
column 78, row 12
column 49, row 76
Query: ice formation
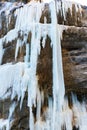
column 16, row 79
column 64, row 6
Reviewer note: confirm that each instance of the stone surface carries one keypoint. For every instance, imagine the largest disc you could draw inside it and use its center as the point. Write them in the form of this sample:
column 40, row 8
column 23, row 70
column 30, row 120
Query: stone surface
column 74, row 46
column 44, row 68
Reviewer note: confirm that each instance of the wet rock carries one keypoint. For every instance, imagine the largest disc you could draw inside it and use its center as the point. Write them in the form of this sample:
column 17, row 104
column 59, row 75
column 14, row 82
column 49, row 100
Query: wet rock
column 4, row 108
column 21, row 116
column 44, row 67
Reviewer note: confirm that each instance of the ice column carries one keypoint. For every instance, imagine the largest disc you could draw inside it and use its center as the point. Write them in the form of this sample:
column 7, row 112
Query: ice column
column 58, row 81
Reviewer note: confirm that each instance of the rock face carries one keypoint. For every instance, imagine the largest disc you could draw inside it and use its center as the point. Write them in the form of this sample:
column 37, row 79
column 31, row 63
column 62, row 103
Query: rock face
column 74, row 55
column 44, row 68
column 74, row 46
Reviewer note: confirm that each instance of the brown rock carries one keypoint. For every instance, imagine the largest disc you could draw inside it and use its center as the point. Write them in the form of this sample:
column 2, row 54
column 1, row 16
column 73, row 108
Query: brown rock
column 44, row 68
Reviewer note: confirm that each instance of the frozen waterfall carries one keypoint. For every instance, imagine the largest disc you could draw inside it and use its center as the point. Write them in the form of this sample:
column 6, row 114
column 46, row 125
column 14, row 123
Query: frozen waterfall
column 18, row 78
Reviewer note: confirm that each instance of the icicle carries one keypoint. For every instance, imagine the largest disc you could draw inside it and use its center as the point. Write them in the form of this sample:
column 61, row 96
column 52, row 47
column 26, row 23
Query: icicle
column 38, row 104
column 67, row 115
column 4, row 124
column 24, row 83
column 42, row 97
column 39, row 9
column 0, row 22
column 1, row 51
column 27, row 53
column 50, row 112
column 18, row 45
column 83, row 117
column 45, row 32
column 31, row 120
column 11, row 110
column 33, row 62
column 57, row 68
column 35, row 43
column 58, row 83
column 64, row 5
column 7, row 20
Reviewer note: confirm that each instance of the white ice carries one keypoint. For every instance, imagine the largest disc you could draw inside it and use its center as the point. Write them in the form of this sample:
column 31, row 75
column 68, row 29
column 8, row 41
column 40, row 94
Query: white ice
column 16, row 79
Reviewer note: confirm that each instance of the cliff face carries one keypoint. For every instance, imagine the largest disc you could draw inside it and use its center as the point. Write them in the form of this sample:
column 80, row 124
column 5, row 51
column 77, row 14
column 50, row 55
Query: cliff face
column 74, row 55
column 75, row 59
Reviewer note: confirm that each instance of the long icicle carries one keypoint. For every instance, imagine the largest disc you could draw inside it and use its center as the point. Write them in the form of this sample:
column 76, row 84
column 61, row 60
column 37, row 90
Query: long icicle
column 58, row 82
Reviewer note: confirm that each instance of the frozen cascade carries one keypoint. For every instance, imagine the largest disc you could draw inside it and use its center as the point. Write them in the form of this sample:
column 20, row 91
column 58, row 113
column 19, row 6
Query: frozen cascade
column 58, row 83
column 64, row 6
column 20, row 77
